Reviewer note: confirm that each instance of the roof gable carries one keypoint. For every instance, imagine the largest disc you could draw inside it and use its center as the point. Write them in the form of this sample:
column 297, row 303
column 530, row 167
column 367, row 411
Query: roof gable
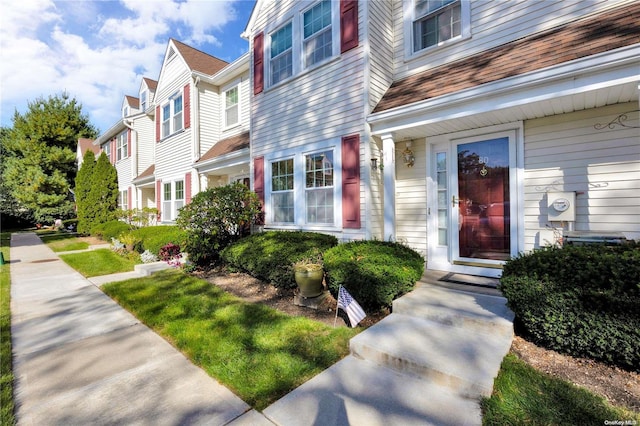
column 591, row 35
column 197, row 60
column 226, row 146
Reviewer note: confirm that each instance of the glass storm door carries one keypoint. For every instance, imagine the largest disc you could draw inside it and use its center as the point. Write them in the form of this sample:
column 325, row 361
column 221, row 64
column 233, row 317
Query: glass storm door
column 481, row 201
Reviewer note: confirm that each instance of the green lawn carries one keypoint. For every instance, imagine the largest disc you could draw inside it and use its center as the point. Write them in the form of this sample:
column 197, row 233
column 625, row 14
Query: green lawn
column 66, row 242
column 259, row 353
column 523, row 395
column 98, row 262
column 6, row 373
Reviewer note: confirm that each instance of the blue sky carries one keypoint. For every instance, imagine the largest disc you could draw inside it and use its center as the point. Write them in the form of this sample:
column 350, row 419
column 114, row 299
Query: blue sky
column 98, row 50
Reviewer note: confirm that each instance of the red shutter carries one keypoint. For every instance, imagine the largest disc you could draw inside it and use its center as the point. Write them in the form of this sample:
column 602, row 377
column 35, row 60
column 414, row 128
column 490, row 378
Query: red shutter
column 351, row 182
column 258, row 181
column 158, row 120
column 186, row 96
column 129, row 143
column 187, row 188
column 348, row 25
column 114, row 153
column 258, row 67
column 158, row 198
column 129, row 191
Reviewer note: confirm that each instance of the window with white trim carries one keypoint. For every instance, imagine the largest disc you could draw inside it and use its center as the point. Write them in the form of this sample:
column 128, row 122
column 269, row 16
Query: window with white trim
column 143, row 100
column 122, row 148
column 311, row 37
column 125, row 111
column 172, row 117
column 106, row 148
column 172, row 199
column 436, row 21
column 123, row 200
column 231, row 107
column 281, row 59
column 317, row 41
column 319, row 188
column 282, row 191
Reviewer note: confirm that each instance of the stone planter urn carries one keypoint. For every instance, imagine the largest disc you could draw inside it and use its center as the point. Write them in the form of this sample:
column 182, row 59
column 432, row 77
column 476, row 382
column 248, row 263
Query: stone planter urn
column 309, row 279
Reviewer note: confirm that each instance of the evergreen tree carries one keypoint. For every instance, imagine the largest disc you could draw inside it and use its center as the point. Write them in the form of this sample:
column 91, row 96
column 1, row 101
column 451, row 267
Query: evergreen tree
column 83, row 189
column 102, row 200
column 40, row 162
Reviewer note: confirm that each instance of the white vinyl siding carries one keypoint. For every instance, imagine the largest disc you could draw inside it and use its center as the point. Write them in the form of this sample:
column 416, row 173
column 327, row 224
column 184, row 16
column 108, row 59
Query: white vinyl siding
column 566, row 153
column 381, row 52
column 491, row 24
column 411, row 198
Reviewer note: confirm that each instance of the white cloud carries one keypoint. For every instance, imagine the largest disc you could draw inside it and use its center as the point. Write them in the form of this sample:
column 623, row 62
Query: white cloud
column 92, row 49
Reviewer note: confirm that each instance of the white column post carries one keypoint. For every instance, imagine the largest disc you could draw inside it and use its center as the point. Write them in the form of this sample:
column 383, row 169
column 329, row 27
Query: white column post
column 389, row 163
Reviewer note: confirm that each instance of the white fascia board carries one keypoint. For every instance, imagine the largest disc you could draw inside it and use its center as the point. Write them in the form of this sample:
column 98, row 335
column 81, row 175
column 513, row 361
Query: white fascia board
column 113, row 131
column 227, row 73
column 235, row 158
column 582, row 75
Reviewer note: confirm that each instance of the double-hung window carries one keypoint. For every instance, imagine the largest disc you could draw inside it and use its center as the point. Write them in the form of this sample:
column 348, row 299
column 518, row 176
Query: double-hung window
column 172, row 115
column 282, row 196
column 124, row 200
column 319, row 187
column 436, row 21
column 143, row 100
column 317, row 41
column 231, row 107
column 122, row 146
column 281, row 60
column 172, row 199
column 106, row 148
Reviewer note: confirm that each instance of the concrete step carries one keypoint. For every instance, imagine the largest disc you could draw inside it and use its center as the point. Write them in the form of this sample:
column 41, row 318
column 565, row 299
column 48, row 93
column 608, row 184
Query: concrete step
column 361, row 393
column 462, row 359
column 480, row 312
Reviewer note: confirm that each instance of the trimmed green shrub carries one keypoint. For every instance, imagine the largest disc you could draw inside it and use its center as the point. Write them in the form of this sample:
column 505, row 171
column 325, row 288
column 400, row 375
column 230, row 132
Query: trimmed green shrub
column 270, row 255
column 113, row 229
column 374, row 272
column 155, row 237
column 580, row 300
column 216, row 218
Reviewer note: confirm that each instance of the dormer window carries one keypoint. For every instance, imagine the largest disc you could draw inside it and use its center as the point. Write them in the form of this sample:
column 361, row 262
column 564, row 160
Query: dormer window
column 125, row 111
column 143, row 100
column 436, row 21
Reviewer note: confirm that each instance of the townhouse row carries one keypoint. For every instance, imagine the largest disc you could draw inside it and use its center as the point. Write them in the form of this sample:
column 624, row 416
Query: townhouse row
column 471, row 130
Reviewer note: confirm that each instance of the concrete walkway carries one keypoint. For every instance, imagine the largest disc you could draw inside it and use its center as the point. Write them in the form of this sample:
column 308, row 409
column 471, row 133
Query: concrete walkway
column 79, row 358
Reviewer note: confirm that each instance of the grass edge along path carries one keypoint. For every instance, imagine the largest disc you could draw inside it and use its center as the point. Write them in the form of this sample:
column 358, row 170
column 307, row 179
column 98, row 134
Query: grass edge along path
column 6, row 366
column 98, row 262
column 257, row 352
column 524, row 395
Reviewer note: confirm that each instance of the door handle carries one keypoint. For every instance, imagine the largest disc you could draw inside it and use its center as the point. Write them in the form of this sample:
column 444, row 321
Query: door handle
column 455, row 200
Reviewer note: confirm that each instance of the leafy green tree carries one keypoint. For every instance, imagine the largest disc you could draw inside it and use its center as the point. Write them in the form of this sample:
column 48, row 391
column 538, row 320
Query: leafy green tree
column 215, row 218
column 12, row 213
column 102, row 199
column 83, row 189
column 40, row 163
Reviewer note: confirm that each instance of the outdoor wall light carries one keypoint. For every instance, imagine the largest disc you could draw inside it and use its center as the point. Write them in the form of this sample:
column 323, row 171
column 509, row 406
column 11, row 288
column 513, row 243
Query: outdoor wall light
column 374, row 163
column 407, row 155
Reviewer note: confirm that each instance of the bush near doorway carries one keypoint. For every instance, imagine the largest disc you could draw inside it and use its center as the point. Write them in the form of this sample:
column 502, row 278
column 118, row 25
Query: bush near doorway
column 579, row 300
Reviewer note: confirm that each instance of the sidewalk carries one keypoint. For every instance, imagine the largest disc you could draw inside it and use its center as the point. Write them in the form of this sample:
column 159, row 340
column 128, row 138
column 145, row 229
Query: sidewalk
column 79, row 358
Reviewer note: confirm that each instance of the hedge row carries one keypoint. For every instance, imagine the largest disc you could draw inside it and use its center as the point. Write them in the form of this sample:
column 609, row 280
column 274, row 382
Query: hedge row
column 580, row 300
column 374, row 272
column 270, row 255
column 150, row 238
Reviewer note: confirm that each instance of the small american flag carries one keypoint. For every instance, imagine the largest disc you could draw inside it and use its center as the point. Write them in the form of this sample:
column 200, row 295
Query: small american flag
column 350, row 306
